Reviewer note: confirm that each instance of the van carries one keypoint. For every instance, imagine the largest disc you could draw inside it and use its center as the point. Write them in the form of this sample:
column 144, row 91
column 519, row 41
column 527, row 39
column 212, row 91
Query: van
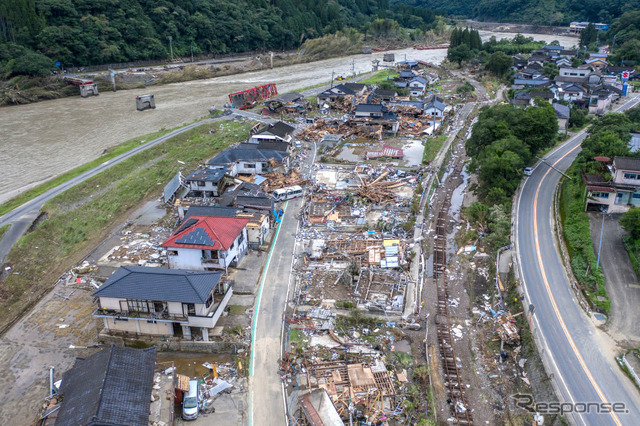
column 191, row 402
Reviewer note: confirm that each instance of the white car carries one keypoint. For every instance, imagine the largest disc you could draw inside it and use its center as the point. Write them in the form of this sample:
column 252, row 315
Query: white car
column 528, row 171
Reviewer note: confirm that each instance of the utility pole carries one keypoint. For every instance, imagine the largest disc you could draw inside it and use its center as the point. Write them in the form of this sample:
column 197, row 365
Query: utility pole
column 191, row 51
column 171, row 47
column 604, row 212
column 353, row 68
column 271, row 60
column 332, row 72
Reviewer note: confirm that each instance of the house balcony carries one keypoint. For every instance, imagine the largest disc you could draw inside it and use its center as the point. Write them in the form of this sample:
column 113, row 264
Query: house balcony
column 149, row 316
column 210, row 320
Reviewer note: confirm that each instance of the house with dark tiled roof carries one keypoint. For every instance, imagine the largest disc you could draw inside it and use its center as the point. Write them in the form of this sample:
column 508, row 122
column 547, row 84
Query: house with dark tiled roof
column 139, row 300
column 207, row 243
column 276, row 132
column 562, row 114
column 207, row 182
column 417, row 86
column 434, row 106
column 243, row 161
column 330, row 95
column 111, row 387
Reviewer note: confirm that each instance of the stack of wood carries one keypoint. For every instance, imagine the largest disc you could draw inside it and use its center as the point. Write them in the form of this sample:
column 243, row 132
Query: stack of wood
column 277, row 180
column 379, row 191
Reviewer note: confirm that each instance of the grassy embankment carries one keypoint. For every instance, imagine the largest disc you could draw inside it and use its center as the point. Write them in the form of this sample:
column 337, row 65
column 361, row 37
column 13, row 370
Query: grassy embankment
column 575, row 225
column 381, row 76
column 110, row 153
column 80, row 218
column 432, row 147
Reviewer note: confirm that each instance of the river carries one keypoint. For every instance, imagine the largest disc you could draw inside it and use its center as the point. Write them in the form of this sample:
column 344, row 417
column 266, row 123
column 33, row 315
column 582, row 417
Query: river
column 42, row 140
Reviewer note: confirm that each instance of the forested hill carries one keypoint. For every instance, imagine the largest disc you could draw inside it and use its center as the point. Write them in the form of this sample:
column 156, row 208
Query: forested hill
column 86, row 32
column 543, row 12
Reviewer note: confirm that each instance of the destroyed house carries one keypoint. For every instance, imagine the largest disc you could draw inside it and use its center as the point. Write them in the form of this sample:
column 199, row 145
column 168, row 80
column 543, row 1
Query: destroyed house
column 329, row 96
column 257, row 228
column 407, row 107
column 138, row 300
column 249, row 161
column 288, row 102
column 207, row 182
column 248, row 197
column 277, row 132
column 111, row 387
column 207, row 243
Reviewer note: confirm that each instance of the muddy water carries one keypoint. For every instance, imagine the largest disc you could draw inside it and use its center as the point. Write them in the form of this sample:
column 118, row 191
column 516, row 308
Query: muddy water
column 39, row 141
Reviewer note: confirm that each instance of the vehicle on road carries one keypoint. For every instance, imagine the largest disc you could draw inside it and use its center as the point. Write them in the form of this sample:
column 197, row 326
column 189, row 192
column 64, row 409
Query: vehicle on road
column 289, row 193
column 528, row 171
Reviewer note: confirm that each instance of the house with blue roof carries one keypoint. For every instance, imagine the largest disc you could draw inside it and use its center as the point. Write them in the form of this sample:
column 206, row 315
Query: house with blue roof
column 138, row 300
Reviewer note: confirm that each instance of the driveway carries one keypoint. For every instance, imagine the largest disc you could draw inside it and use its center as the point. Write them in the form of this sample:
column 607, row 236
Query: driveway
column 620, row 279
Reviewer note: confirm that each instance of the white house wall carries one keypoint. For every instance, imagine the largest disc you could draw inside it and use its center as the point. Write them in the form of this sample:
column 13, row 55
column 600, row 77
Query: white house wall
column 186, row 259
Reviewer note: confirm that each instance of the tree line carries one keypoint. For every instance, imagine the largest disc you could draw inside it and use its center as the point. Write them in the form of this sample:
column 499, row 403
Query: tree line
column 88, row 32
column 551, row 12
column 504, row 141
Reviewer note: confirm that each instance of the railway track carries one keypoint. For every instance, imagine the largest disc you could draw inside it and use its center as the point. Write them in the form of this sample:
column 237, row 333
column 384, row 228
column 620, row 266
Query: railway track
column 452, row 376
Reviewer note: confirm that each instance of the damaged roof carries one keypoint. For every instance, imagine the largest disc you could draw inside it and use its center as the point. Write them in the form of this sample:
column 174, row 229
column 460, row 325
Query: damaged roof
column 112, row 387
column 627, row 163
column 278, row 129
column 208, row 175
column 167, row 285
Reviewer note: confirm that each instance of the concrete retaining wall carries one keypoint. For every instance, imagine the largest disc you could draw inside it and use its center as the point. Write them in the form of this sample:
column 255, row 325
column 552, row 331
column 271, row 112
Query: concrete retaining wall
column 177, row 345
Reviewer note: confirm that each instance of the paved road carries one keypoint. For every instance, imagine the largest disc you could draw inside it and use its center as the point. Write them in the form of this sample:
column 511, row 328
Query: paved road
column 579, row 355
column 266, row 403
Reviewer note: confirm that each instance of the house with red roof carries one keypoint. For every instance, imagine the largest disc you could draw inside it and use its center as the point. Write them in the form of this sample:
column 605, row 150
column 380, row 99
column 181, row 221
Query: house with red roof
column 207, row 243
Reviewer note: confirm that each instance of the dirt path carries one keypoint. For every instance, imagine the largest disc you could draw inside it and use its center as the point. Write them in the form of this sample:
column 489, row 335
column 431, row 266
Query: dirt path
column 620, row 279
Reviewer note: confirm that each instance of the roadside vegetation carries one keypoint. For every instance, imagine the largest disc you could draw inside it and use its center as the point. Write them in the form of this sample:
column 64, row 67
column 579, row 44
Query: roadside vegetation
column 432, row 147
column 82, row 216
column 504, row 141
column 609, row 137
column 630, row 222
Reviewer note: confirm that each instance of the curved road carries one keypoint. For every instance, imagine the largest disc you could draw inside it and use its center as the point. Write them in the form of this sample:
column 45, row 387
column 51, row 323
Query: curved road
column 580, row 356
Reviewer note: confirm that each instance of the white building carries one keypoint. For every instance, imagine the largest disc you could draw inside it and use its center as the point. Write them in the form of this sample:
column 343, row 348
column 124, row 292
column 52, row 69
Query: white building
column 139, row 300
column 207, row 243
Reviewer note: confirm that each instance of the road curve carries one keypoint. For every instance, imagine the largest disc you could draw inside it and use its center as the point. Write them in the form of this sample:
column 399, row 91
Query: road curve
column 582, row 366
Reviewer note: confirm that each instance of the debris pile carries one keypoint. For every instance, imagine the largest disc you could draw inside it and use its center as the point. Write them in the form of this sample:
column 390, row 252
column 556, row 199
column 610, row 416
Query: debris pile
column 143, row 249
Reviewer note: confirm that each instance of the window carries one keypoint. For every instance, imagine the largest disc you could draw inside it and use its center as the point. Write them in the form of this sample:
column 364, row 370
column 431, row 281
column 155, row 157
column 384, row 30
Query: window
column 630, row 176
column 137, row 306
column 209, row 300
column 172, row 252
column 241, row 238
column 636, row 195
column 601, row 194
column 201, row 183
column 249, row 166
column 189, row 308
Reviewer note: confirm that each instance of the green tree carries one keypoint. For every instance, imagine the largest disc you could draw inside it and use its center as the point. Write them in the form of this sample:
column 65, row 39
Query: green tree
column 477, row 214
column 499, row 63
column 630, row 222
column 550, row 70
column 459, row 54
column 619, row 123
column 588, row 35
column 577, row 117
